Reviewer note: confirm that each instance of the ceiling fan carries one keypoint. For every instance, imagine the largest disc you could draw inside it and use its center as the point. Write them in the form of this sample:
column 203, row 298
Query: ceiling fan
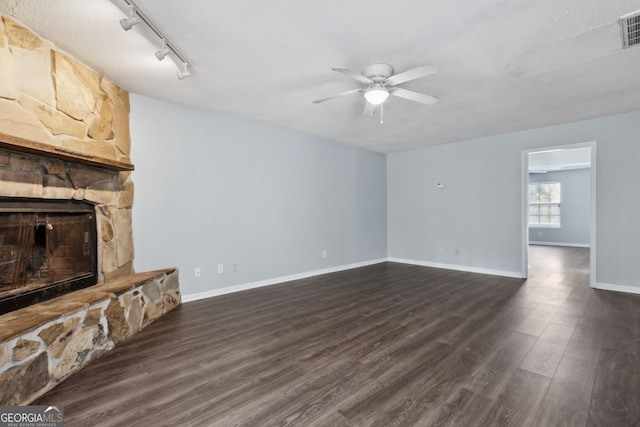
column 381, row 82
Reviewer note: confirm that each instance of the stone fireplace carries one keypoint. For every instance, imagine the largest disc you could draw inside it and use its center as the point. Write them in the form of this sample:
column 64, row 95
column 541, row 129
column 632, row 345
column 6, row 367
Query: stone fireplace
column 66, row 198
column 64, row 137
column 40, row 200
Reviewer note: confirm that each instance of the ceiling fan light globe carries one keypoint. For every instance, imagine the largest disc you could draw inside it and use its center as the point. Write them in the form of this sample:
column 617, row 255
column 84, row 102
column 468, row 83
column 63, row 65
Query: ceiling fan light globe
column 376, row 95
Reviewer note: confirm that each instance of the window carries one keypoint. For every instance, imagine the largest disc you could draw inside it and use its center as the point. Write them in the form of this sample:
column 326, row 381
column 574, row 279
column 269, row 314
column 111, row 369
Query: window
column 544, row 204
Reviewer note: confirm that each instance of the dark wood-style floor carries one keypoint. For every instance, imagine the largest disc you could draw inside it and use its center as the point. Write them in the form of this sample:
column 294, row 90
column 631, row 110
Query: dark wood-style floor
column 389, row 344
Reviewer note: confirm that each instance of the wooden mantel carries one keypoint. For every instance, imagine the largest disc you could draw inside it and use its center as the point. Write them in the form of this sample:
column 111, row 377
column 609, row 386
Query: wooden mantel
column 22, row 145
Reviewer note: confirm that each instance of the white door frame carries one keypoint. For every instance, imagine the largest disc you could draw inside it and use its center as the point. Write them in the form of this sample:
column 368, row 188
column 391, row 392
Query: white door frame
column 525, row 207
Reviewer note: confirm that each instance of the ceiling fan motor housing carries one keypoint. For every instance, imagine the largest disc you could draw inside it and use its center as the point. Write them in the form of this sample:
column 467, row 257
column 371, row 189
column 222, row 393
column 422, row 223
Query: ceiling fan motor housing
column 378, row 72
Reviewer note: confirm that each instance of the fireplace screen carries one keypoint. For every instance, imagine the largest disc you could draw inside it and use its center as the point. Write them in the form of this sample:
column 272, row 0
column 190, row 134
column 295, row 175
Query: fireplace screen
column 46, row 249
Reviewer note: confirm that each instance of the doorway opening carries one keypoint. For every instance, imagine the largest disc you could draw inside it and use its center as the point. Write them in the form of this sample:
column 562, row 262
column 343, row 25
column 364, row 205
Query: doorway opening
column 558, row 203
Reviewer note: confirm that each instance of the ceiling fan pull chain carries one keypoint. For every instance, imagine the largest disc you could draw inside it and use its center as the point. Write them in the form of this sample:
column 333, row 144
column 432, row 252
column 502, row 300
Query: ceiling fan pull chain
column 381, row 112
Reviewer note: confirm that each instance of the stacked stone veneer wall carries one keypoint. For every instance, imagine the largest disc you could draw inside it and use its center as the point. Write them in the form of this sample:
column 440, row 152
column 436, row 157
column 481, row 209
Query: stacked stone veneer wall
column 48, row 98
column 43, row 344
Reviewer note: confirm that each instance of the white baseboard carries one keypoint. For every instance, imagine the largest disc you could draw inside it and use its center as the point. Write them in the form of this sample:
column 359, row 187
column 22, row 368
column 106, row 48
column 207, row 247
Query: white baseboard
column 275, row 281
column 465, row 268
column 617, row 288
column 573, row 245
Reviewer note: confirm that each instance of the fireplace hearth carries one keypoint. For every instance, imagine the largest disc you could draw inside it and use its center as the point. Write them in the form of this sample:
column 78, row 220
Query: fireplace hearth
column 47, row 248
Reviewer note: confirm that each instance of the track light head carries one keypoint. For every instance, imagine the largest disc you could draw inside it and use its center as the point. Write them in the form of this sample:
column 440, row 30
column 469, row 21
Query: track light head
column 160, row 54
column 128, row 23
column 185, row 72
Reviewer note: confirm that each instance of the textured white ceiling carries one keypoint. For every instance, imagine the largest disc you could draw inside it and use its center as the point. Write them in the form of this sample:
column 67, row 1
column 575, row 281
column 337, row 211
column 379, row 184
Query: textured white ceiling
column 505, row 65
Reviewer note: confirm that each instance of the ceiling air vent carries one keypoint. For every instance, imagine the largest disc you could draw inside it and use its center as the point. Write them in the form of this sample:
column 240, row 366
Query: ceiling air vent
column 630, row 25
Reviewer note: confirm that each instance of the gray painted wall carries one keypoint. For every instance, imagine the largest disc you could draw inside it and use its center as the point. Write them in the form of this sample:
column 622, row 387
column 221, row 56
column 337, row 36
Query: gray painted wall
column 479, row 210
column 212, row 189
column 270, row 200
column 574, row 208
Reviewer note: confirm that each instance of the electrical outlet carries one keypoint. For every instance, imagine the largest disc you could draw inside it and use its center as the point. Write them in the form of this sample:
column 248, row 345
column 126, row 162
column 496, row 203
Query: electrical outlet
column 197, row 272
column 220, row 268
column 235, row 268
column 324, row 253
column 457, row 251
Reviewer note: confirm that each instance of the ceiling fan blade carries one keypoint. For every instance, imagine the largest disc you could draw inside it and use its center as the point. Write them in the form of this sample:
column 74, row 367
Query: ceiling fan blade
column 358, row 77
column 413, row 96
column 337, row 95
column 414, row 73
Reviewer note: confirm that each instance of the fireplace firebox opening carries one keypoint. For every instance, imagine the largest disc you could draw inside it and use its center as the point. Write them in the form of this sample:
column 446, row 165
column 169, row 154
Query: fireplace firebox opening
column 47, row 249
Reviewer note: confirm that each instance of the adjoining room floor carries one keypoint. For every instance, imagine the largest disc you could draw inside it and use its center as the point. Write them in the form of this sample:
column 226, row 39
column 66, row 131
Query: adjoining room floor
column 388, row 344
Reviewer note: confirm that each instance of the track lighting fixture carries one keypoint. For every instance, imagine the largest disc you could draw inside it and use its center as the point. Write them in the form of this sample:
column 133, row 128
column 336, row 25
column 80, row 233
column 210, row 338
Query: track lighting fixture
column 136, row 16
column 128, row 23
column 160, row 54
